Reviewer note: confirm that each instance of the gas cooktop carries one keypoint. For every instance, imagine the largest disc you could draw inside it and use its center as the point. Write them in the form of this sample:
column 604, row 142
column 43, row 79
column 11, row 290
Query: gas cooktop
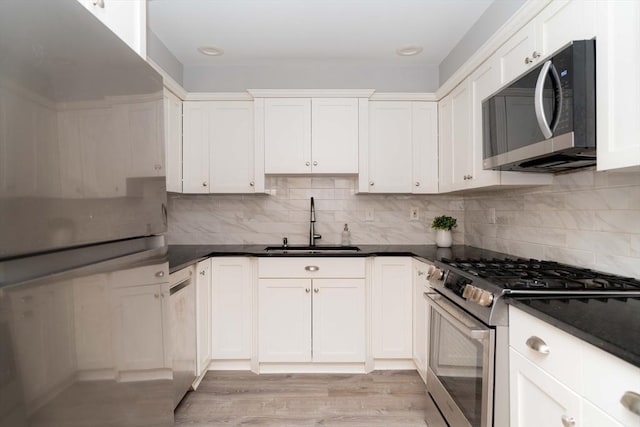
column 531, row 275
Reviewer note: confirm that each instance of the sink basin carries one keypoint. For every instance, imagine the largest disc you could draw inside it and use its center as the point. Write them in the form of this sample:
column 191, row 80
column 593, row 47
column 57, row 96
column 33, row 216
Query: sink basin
column 311, row 249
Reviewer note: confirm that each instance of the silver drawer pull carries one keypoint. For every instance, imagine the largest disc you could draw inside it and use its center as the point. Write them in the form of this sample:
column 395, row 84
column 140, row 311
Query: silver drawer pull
column 631, row 401
column 307, row 290
column 312, row 268
column 568, row 421
column 160, row 274
column 421, row 273
column 202, row 273
column 537, row 344
column 316, row 290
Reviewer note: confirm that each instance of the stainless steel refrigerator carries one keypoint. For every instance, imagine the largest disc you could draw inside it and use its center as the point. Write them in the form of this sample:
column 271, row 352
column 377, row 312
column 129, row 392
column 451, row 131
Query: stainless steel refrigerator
column 83, row 270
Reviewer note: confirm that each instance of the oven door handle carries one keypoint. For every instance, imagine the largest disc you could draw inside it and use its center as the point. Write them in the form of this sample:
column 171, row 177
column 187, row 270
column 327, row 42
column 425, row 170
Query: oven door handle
column 462, row 321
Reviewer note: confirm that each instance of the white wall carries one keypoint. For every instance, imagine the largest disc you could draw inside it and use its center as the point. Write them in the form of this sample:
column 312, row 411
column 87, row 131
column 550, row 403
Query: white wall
column 311, row 75
column 158, row 52
column 489, row 22
column 262, row 219
column 587, row 218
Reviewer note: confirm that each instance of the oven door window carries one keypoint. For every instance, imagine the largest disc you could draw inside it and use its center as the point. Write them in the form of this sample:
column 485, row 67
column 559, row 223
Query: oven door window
column 461, row 362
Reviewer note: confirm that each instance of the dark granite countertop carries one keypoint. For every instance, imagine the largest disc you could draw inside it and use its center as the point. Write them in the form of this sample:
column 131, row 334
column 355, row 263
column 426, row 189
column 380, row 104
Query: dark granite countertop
column 610, row 324
column 181, row 256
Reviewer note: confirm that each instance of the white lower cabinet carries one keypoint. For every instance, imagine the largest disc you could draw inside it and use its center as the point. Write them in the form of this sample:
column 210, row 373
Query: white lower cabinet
column 203, row 316
column 420, row 317
column 567, row 381
column 318, row 316
column 231, row 308
column 538, row 399
column 292, row 311
column 284, row 320
column 392, row 296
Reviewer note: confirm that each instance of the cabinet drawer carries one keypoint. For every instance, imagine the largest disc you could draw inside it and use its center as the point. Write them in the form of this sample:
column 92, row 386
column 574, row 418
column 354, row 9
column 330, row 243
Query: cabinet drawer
column 311, row 267
column 606, row 379
column 563, row 360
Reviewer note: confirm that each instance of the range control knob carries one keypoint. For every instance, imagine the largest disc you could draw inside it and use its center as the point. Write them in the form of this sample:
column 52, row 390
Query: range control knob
column 485, row 299
column 436, row 274
column 468, row 291
column 477, row 295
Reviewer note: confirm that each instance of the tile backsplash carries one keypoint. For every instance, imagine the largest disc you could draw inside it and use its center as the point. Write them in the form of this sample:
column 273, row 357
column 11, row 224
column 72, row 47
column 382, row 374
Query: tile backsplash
column 266, row 219
column 585, row 218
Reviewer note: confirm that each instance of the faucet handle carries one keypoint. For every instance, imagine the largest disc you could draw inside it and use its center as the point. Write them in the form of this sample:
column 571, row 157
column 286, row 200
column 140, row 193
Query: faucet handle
column 285, row 242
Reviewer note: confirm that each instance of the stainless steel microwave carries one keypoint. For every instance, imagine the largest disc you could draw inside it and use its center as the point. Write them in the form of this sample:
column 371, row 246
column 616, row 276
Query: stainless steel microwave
column 545, row 120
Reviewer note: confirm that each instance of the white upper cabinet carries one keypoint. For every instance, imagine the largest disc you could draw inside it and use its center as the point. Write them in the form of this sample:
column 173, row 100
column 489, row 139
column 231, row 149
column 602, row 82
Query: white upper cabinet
column 556, row 25
column 173, row 141
column 287, row 135
column 126, row 18
column 401, row 154
column 618, row 84
column 456, row 150
column 219, row 150
column 310, row 135
column 425, row 147
column 334, row 135
column 195, row 148
column 231, row 147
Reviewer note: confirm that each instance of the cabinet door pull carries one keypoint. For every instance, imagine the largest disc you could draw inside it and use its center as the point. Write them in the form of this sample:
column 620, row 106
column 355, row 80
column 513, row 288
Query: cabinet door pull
column 631, row 401
column 568, row 421
column 316, row 290
column 536, row 54
column 99, row 3
column 156, row 295
column 315, row 163
column 307, row 163
column 160, row 274
column 204, row 184
column 251, row 184
column 528, row 60
column 417, row 183
column 537, row 344
column 202, row 273
column 307, row 290
column 312, row 268
column 372, row 183
column 421, row 273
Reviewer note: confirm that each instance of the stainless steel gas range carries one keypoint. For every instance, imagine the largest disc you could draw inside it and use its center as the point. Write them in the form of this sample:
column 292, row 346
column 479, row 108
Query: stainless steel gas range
column 467, row 374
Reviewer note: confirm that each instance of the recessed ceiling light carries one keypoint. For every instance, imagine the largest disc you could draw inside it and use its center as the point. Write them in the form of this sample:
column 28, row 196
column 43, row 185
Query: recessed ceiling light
column 409, row 50
column 211, row 50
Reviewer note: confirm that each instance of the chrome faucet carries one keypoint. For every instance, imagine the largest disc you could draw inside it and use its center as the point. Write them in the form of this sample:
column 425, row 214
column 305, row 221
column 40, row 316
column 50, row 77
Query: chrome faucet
column 312, row 221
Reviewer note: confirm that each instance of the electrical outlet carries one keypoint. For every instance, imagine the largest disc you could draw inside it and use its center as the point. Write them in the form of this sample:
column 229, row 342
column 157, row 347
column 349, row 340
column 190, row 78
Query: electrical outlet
column 368, row 215
column 492, row 215
column 414, row 214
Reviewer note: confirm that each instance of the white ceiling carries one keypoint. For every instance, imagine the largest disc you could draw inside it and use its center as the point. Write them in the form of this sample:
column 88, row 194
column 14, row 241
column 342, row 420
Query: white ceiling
column 264, row 31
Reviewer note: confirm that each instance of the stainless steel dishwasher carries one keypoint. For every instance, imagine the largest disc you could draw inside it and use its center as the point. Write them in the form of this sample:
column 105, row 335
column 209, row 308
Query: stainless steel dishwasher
column 182, row 317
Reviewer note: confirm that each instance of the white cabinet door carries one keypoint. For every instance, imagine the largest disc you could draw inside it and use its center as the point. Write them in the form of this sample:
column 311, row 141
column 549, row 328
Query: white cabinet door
column 140, row 330
column 516, row 55
column 231, row 282
column 334, row 135
column 537, row 399
column 126, row 18
column 420, row 319
column 231, row 147
column 483, row 82
column 284, row 320
column 618, row 51
column 391, row 299
column 561, row 22
column 287, row 135
column 195, row 148
column 424, row 135
column 203, row 315
column 390, row 147
column 338, row 320
column 594, row 417
column 456, row 150
column 173, row 141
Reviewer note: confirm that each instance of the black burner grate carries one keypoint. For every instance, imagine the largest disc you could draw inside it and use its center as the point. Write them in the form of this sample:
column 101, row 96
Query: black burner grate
column 532, row 274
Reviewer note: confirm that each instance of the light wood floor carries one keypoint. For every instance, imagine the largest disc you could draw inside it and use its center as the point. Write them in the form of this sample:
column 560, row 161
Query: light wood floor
column 381, row 398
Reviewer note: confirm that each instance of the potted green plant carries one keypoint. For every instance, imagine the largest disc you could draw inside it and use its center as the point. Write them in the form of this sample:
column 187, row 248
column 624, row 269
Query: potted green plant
column 443, row 225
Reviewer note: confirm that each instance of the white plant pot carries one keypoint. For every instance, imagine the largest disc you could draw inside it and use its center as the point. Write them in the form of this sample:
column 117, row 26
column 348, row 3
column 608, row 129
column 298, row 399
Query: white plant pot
column 444, row 238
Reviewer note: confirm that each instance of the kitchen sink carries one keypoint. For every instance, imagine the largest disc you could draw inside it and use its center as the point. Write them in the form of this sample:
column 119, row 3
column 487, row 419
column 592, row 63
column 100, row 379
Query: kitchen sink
column 311, row 249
